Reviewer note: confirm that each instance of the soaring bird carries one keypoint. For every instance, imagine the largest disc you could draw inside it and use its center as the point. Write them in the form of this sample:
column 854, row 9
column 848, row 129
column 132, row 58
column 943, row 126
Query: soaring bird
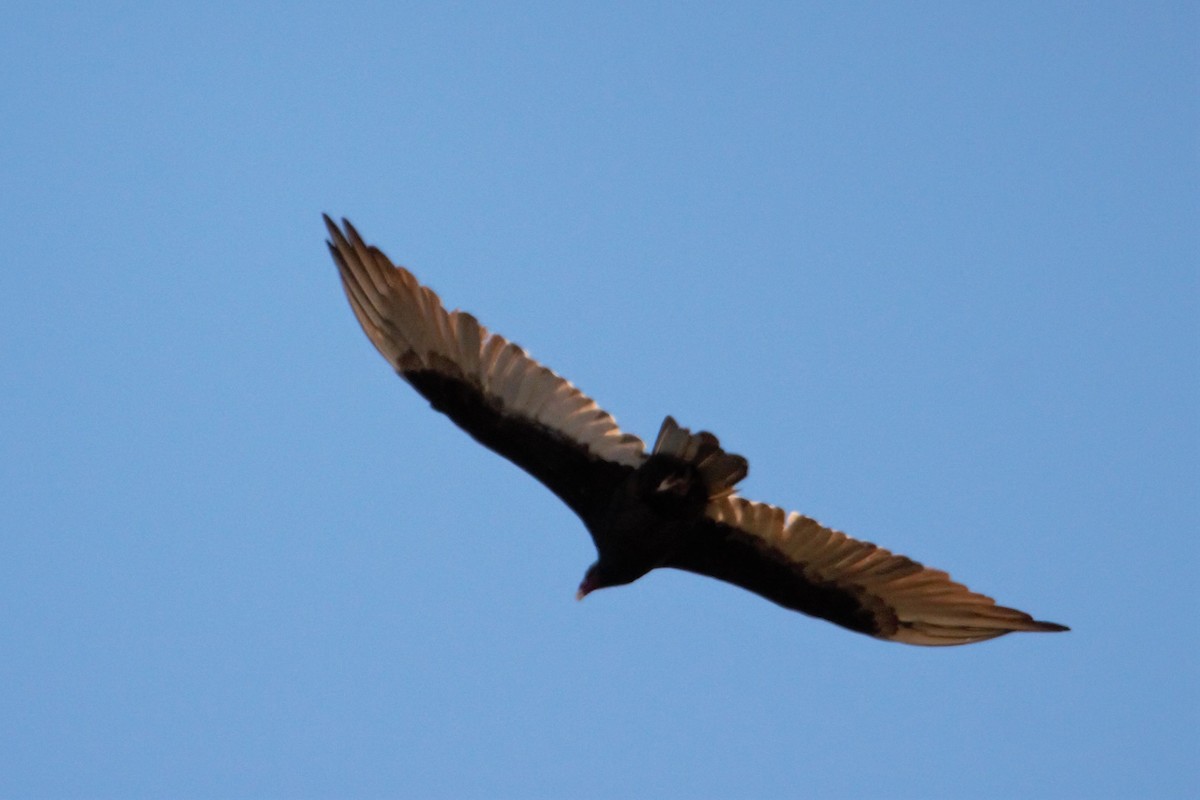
column 674, row 506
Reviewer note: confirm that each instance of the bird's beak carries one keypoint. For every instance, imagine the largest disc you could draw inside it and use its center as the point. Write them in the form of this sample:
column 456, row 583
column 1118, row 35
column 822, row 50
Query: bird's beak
column 579, row 595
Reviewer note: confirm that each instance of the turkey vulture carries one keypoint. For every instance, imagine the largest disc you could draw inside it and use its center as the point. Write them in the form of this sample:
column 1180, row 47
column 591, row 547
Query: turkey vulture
column 674, row 506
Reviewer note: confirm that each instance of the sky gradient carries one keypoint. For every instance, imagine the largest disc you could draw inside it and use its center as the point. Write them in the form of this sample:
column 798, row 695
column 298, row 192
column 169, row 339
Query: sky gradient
column 931, row 267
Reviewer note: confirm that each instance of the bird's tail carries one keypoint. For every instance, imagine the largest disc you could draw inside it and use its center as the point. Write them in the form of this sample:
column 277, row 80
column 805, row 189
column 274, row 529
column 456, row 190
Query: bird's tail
column 719, row 470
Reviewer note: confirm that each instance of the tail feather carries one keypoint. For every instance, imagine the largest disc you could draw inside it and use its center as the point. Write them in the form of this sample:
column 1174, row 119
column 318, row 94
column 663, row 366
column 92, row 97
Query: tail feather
column 719, row 470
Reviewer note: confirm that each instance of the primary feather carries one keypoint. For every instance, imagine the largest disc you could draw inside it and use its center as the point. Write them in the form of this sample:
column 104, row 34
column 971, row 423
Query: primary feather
column 673, row 507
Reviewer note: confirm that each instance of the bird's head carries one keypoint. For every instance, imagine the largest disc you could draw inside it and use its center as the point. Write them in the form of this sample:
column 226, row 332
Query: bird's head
column 602, row 575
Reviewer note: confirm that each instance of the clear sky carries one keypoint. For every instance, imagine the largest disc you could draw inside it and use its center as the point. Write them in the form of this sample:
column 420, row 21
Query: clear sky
column 932, row 267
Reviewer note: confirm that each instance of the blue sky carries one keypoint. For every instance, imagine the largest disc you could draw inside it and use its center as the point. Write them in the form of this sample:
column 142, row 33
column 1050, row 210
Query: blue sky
column 931, row 267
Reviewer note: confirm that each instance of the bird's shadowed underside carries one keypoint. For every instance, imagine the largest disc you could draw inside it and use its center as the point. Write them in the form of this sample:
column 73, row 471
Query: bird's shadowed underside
column 672, row 506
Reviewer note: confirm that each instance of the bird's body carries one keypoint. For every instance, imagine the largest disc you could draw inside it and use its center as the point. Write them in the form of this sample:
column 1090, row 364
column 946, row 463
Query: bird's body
column 675, row 506
column 647, row 521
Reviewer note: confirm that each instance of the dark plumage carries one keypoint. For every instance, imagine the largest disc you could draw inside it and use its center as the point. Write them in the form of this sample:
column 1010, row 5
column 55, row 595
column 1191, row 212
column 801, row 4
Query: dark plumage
column 672, row 507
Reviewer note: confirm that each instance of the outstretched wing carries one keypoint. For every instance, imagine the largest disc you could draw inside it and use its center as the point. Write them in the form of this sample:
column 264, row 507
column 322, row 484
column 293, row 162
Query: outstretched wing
column 798, row 563
column 487, row 385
